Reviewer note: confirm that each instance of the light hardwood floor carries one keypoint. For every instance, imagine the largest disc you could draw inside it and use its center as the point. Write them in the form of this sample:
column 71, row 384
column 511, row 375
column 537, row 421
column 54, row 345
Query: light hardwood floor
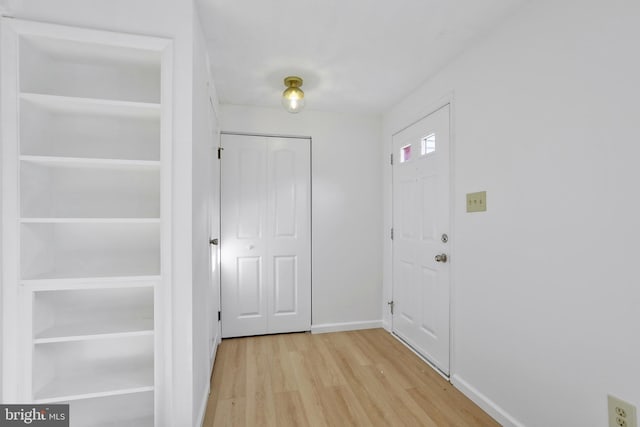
column 359, row 378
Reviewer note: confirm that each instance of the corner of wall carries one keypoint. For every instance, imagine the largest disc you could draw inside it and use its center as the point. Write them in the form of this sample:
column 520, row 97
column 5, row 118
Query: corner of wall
column 203, row 409
column 488, row 405
column 1, row 301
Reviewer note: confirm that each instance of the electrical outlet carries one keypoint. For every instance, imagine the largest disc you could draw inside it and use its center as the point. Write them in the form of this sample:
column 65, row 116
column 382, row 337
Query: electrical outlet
column 477, row 202
column 621, row 413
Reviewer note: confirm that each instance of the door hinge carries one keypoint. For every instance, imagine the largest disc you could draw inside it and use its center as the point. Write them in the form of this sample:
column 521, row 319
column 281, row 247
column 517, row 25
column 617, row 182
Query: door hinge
column 391, row 233
column 390, row 304
column 391, row 158
column 219, row 316
column 220, row 152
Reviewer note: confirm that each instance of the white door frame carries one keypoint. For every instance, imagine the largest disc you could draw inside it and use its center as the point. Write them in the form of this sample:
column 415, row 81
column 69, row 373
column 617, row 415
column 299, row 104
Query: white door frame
column 424, row 113
column 221, row 152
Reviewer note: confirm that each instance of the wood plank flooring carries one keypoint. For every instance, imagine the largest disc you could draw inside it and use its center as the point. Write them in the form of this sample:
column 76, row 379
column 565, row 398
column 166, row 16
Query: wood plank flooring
column 359, row 378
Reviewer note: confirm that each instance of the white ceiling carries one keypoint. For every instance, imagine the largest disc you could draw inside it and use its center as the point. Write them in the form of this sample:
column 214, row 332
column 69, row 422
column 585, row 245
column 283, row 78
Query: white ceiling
column 354, row 55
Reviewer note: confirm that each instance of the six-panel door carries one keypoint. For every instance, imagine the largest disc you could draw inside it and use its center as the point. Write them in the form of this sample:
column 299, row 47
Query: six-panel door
column 266, row 235
column 421, row 218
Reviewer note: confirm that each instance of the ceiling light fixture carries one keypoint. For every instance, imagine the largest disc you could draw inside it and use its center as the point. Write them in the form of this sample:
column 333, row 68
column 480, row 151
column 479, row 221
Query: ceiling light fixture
column 293, row 96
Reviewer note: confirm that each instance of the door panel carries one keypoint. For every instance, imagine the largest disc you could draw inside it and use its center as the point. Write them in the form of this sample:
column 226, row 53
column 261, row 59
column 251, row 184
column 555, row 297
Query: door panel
column 429, row 282
column 250, row 164
column 249, row 287
column 284, row 188
column 266, row 235
column 429, row 208
column 421, row 215
column 285, row 284
column 409, row 208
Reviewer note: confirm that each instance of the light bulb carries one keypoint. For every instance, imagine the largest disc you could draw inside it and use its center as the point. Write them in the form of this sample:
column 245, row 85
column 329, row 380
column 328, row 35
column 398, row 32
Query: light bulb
column 293, row 96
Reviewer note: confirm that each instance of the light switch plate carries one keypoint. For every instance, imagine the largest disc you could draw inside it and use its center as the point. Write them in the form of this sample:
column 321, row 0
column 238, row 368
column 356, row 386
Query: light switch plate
column 477, row 202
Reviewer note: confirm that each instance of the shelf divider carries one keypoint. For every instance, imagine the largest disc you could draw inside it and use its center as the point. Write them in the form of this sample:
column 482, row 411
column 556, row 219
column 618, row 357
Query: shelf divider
column 91, row 282
column 94, row 106
column 95, row 336
column 80, row 162
column 91, row 395
column 90, row 220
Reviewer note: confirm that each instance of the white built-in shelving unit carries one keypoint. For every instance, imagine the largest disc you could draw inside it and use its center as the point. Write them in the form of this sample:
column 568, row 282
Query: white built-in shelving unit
column 86, row 143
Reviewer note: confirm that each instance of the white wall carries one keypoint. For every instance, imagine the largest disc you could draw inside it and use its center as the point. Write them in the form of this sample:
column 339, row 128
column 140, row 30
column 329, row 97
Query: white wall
column 204, row 166
column 546, row 299
column 346, row 200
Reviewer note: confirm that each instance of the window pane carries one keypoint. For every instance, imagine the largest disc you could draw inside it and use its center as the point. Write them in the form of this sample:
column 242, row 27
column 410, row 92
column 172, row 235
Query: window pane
column 428, row 144
column 405, row 153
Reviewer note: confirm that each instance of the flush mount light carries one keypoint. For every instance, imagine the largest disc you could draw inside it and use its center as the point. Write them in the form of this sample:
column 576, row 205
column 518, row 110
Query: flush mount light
column 293, row 96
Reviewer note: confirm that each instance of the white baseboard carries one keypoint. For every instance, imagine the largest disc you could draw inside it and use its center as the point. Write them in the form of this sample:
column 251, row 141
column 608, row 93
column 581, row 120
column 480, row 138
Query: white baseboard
column 212, row 356
column 489, row 406
column 345, row 326
column 203, row 405
column 424, row 359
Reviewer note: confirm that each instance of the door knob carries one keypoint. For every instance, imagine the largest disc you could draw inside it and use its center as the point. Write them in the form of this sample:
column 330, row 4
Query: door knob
column 213, row 242
column 441, row 258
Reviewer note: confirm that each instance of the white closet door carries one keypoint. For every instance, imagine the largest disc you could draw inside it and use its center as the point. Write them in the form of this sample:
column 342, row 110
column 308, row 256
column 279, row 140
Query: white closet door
column 266, row 235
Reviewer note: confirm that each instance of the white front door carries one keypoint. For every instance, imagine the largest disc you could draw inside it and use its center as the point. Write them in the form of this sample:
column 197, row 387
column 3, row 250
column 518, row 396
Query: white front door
column 266, row 235
column 421, row 221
